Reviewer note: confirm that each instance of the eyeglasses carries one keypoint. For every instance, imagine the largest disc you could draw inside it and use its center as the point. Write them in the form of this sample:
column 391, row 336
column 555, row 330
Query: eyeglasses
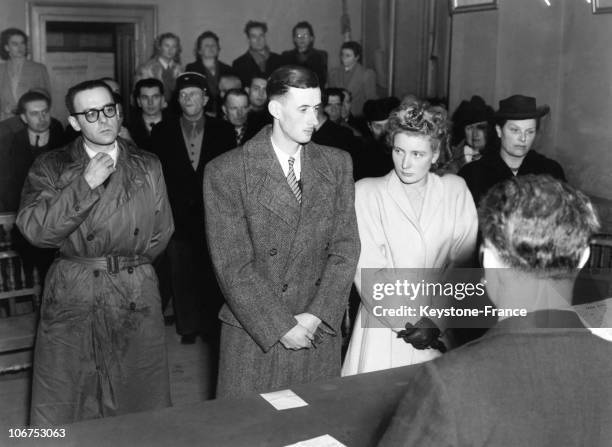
column 183, row 96
column 92, row 115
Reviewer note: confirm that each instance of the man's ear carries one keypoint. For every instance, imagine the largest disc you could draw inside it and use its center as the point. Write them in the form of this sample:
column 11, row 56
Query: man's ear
column 586, row 254
column 74, row 123
column 224, row 109
column 23, row 118
column 275, row 108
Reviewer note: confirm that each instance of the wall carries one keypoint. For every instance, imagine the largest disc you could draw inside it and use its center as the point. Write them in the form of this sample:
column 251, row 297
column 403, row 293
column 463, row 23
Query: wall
column 188, row 18
column 555, row 54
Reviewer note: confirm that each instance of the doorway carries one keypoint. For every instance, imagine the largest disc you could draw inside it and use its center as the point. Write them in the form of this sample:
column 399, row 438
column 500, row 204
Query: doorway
column 90, row 41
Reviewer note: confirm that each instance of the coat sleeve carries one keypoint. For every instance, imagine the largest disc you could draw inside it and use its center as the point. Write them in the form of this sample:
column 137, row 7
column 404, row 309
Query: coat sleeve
column 164, row 224
column 375, row 250
column 424, row 416
column 466, row 228
column 48, row 213
column 331, row 298
column 251, row 298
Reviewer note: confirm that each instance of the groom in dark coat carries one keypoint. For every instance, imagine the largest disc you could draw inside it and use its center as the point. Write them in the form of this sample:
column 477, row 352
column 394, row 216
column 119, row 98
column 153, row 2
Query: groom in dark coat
column 280, row 223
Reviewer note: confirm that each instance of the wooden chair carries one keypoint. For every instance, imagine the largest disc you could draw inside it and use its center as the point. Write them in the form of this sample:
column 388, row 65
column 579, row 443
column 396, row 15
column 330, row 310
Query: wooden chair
column 17, row 331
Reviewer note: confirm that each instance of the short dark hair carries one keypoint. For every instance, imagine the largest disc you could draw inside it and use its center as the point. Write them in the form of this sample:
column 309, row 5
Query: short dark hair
column 29, row 96
column 147, row 83
column 254, row 24
column 289, row 76
column 6, row 36
column 82, row 86
column 235, row 92
column 201, row 37
column 303, row 24
column 331, row 91
column 257, row 77
column 355, row 47
column 538, row 224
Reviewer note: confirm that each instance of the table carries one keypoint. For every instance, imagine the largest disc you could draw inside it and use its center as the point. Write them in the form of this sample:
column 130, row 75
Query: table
column 355, row 410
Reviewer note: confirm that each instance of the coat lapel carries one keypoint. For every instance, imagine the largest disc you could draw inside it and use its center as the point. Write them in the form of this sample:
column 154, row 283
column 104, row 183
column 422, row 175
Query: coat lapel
column 396, row 191
column 265, row 172
column 124, row 183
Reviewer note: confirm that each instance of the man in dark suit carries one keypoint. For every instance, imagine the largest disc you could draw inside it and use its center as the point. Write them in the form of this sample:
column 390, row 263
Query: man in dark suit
column 280, row 224
column 305, row 54
column 185, row 145
column 41, row 133
column 258, row 60
column 149, row 96
column 540, row 379
column 516, row 122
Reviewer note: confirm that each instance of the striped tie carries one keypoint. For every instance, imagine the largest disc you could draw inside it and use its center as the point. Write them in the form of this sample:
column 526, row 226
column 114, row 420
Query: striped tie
column 293, row 182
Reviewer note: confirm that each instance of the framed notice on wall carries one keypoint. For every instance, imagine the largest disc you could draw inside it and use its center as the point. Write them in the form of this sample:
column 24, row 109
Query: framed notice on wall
column 458, row 6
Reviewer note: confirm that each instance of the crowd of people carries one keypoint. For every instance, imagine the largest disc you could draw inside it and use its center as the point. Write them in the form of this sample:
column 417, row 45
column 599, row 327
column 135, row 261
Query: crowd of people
column 254, row 195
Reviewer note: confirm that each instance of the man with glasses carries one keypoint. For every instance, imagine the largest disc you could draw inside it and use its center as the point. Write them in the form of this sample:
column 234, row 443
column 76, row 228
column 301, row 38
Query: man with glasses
column 102, row 203
column 305, row 54
column 185, row 144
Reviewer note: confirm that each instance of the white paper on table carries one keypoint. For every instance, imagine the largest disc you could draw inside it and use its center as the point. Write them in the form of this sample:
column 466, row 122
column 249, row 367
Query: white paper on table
column 319, row 441
column 284, row 399
column 598, row 317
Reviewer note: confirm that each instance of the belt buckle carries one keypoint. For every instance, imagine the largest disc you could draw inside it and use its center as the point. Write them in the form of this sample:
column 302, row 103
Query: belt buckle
column 112, row 264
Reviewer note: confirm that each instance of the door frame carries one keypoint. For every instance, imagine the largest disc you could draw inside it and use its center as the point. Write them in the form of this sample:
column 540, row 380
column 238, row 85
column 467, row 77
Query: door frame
column 144, row 18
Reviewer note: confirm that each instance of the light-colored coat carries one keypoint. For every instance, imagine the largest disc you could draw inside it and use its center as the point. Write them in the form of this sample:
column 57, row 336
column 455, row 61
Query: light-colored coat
column 360, row 81
column 393, row 237
column 154, row 69
column 275, row 259
column 33, row 75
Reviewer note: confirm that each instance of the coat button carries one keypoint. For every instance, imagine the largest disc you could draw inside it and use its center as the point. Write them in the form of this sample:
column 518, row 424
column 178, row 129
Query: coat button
column 132, row 305
column 77, row 208
column 318, row 282
column 96, row 273
column 130, row 270
column 90, row 237
column 285, row 287
column 136, row 231
column 273, row 251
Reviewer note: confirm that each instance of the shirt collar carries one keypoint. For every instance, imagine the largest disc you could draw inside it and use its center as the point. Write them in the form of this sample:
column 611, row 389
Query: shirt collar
column 283, row 159
column 43, row 137
column 114, row 152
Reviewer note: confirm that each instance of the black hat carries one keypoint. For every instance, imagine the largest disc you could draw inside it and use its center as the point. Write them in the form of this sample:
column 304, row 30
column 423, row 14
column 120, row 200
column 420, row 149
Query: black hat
column 519, row 107
column 191, row 79
column 473, row 111
column 379, row 109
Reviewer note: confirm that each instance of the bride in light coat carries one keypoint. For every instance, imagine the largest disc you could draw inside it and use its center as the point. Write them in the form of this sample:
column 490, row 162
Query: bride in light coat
column 410, row 218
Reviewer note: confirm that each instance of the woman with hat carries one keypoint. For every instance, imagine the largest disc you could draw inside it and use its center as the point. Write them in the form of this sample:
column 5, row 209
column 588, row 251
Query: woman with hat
column 472, row 132
column 516, row 124
column 410, row 219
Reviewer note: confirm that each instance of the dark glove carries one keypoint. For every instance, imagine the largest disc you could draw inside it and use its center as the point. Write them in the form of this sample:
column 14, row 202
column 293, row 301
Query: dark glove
column 424, row 334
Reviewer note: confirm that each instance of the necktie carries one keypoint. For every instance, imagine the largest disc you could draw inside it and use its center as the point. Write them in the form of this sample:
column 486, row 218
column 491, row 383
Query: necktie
column 293, row 182
column 239, row 135
column 37, row 144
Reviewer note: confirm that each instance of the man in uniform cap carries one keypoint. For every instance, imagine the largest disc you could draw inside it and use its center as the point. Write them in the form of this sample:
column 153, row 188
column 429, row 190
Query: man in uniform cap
column 184, row 145
column 516, row 123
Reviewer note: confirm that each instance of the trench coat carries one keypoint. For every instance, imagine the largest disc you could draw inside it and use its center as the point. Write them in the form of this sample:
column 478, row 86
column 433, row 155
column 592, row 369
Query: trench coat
column 100, row 348
column 275, row 259
column 393, row 237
